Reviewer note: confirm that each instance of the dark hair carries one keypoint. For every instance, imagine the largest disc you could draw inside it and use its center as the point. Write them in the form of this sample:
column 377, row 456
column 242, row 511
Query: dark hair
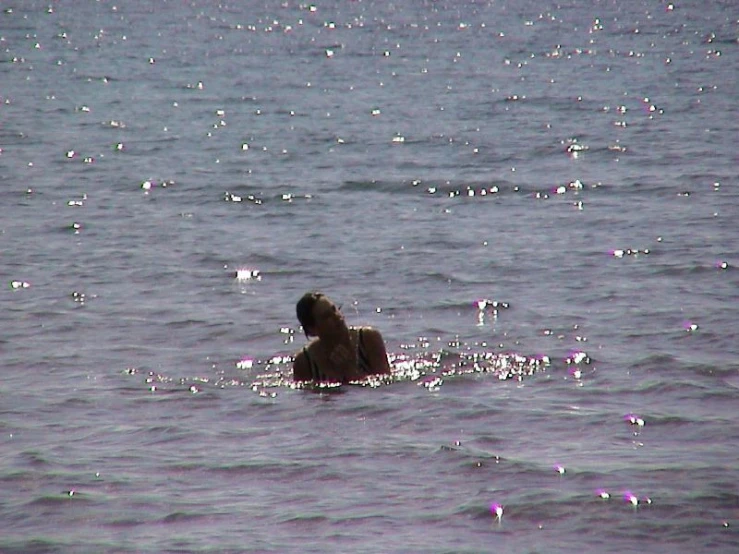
column 304, row 310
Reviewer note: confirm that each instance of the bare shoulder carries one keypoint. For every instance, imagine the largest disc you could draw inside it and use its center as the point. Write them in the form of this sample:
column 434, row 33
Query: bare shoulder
column 375, row 345
column 370, row 333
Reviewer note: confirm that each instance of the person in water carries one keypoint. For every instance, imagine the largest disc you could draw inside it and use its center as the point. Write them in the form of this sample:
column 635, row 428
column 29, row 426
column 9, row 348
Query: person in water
column 339, row 354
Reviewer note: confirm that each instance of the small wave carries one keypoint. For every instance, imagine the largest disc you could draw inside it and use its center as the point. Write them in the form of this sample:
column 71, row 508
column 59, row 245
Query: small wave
column 55, row 500
column 33, row 458
column 35, row 546
column 672, row 368
column 126, row 522
column 183, row 517
column 305, row 519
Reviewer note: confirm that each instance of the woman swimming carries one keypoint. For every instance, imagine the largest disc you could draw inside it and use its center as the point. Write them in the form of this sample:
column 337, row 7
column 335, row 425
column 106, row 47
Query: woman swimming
column 339, row 354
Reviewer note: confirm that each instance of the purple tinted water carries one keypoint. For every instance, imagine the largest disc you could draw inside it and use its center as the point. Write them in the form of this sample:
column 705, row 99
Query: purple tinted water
column 174, row 176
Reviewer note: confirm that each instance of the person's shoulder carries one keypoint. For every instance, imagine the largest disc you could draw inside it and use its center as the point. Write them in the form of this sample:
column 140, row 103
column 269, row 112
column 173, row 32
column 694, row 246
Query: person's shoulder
column 301, row 365
column 368, row 330
column 299, row 356
column 306, row 350
column 370, row 334
column 312, row 345
column 374, row 345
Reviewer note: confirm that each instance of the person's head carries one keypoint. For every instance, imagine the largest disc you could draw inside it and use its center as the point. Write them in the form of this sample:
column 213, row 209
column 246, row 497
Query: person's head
column 316, row 312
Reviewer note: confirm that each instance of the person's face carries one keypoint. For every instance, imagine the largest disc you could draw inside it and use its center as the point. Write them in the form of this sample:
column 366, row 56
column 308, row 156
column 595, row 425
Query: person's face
column 327, row 316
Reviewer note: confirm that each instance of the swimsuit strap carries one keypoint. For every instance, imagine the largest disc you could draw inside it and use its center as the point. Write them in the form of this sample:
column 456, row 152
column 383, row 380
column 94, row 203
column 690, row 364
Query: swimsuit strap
column 363, row 363
column 315, row 372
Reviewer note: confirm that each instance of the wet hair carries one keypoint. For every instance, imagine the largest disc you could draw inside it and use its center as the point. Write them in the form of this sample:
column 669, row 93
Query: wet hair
column 304, row 310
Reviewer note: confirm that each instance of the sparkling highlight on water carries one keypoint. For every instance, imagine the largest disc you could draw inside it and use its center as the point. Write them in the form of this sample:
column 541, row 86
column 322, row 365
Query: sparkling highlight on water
column 246, row 274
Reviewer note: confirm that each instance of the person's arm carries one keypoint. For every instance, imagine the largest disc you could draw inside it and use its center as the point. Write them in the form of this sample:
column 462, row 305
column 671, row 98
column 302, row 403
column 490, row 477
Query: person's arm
column 377, row 351
column 301, row 368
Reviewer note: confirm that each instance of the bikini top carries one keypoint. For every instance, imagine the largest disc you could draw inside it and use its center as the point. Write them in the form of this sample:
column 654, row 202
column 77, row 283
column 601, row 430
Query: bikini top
column 362, row 360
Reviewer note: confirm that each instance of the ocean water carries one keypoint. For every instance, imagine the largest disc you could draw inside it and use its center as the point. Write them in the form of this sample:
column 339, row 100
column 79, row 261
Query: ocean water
column 535, row 202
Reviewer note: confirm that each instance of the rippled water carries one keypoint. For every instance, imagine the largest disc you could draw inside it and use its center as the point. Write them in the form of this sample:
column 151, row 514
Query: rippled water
column 535, row 202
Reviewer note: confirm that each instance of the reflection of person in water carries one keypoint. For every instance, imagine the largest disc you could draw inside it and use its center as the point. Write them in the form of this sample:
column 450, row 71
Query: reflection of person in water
column 339, row 354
